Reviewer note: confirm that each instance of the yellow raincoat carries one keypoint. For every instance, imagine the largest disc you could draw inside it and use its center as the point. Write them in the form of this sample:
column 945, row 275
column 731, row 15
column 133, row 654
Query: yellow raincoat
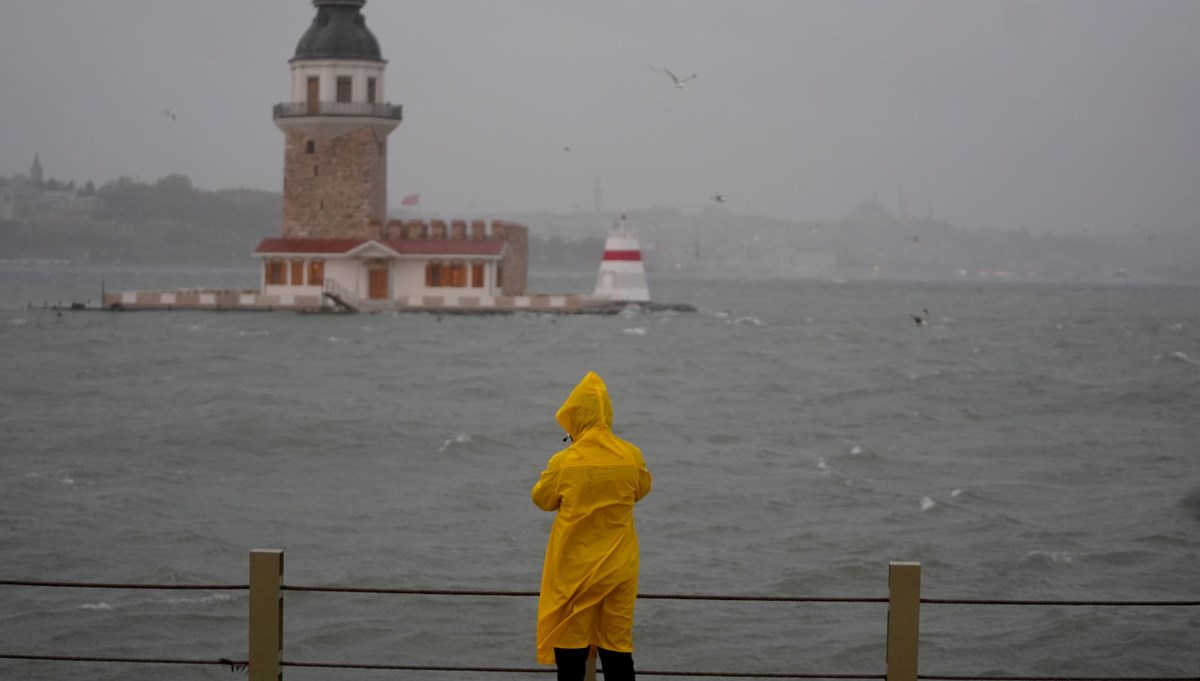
column 589, row 580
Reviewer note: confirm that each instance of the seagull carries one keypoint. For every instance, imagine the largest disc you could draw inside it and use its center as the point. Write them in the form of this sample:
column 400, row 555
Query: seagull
column 719, row 198
column 168, row 113
column 922, row 319
column 679, row 83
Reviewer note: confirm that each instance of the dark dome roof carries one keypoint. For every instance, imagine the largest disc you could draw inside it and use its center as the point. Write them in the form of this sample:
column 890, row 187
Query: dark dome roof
column 339, row 31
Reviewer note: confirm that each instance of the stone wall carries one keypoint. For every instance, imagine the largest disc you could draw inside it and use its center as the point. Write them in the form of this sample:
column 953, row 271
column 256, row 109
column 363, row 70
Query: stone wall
column 335, row 190
column 516, row 258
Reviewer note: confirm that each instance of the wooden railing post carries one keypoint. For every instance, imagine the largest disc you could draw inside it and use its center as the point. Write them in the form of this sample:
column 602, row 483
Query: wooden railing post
column 266, row 615
column 904, row 620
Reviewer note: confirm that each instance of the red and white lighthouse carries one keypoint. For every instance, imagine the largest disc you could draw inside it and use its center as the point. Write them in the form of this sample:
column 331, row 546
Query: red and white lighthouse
column 622, row 275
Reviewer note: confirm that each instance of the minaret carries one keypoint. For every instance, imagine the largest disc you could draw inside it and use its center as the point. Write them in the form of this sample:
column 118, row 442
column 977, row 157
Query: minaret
column 336, row 127
column 35, row 171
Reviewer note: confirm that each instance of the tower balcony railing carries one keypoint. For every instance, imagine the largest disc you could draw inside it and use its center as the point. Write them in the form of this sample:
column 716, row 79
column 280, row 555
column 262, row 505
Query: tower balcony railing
column 354, row 109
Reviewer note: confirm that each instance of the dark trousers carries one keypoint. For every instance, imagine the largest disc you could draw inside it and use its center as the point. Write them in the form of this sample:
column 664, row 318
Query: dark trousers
column 572, row 664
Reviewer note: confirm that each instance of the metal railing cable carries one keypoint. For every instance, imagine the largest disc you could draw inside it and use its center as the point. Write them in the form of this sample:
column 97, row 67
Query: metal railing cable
column 241, row 665
column 113, row 585
column 989, row 601
column 938, row 677
column 527, row 594
column 550, row 670
column 642, row 596
column 234, row 665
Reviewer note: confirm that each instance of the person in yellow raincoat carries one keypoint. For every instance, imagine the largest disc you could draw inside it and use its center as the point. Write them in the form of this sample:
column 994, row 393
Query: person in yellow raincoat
column 590, row 575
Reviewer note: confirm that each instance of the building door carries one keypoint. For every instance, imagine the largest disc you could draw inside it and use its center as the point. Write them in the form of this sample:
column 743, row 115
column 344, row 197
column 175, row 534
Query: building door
column 377, row 283
column 314, row 95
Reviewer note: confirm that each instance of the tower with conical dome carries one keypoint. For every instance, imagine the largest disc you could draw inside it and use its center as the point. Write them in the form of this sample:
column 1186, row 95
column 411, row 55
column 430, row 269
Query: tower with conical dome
column 336, row 127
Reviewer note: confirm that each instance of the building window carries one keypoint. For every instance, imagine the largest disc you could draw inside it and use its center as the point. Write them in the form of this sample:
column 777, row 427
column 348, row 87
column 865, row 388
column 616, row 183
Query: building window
column 343, row 88
column 276, row 272
column 297, row 273
column 433, row 273
column 477, row 274
column 316, row 272
column 457, row 275
column 371, row 90
column 310, row 147
column 313, row 96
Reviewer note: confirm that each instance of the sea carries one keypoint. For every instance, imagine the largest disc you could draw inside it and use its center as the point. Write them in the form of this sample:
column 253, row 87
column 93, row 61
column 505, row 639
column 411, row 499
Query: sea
column 1032, row 442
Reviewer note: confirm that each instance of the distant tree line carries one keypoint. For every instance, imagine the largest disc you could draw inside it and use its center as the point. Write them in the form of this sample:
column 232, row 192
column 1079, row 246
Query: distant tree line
column 172, row 222
column 165, row 222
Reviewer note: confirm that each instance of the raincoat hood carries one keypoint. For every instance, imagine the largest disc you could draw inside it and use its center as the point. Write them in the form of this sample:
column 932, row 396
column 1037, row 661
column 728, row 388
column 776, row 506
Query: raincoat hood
column 588, row 407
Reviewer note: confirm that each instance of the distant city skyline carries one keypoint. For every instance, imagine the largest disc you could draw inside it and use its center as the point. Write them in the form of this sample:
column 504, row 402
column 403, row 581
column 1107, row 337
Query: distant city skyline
column 1059, row 117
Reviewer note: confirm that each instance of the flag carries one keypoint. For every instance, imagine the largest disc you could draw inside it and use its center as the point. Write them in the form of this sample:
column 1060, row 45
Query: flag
column 411, row 200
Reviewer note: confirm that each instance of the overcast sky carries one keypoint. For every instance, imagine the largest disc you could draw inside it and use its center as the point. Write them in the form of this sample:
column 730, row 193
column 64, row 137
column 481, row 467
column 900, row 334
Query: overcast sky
column 1057, row 115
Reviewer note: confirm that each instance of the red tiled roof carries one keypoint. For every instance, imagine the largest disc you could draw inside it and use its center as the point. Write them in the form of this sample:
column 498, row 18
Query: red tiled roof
column 447, row 247
column 463, row 247
column 307, row 245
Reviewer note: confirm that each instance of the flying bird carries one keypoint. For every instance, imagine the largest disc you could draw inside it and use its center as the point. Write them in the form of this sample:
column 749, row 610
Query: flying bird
column 720, row 198
column 169, row 114
column 679, row 82
column 922, row 319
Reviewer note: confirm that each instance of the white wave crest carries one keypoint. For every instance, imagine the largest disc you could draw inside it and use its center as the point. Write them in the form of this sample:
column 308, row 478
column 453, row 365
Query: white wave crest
column 927, row 503
column 456, row 440
column 201, row 600
column 1053, row 556
column 1182, row 357
column 636, row 331
column 96, row 606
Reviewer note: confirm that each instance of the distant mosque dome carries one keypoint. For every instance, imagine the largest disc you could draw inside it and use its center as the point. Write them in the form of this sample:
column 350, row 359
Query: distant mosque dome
column 339, row 31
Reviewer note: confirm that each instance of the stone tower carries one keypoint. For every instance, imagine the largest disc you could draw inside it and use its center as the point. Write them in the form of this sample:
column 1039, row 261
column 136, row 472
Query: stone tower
column 336, row 127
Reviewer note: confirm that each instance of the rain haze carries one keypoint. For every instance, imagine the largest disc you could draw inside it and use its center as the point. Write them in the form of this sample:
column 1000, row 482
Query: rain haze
column 1056, row 116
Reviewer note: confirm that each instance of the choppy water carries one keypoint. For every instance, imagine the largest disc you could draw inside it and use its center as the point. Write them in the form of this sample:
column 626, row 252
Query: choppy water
column 1033, row 441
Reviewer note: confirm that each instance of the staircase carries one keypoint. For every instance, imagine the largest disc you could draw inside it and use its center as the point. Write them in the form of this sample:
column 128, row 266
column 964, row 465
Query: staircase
column 343, row 299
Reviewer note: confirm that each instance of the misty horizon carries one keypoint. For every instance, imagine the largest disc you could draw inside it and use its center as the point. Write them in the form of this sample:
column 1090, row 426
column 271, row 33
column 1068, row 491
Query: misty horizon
column 1057, row 117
